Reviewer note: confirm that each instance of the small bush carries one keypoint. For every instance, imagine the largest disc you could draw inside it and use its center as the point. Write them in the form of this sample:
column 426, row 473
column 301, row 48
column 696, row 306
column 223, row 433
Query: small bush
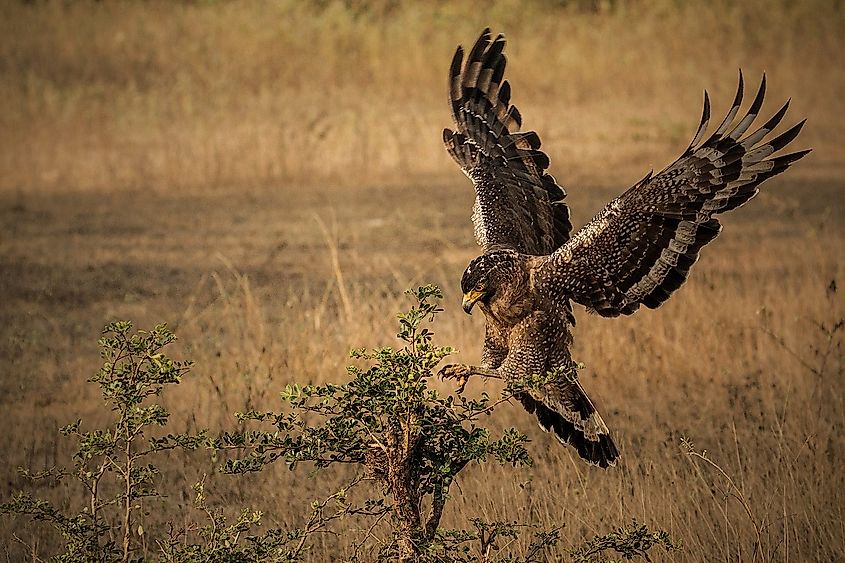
column 113, row 463
column 386, row 423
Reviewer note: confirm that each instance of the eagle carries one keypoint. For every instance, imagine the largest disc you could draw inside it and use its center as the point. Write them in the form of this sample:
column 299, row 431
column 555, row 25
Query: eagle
column 636, row 251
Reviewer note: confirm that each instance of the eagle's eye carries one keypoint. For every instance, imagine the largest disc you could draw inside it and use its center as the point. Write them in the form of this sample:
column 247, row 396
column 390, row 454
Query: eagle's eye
column 479, row 286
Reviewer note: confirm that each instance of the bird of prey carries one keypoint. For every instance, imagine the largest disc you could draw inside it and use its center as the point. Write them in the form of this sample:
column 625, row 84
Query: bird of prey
column 636, row 251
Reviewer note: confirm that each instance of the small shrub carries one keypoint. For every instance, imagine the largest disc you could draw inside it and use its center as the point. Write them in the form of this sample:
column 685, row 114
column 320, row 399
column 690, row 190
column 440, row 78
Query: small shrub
column 398, row 431
column 113, row 463
column 386, row 423
column 628, row 542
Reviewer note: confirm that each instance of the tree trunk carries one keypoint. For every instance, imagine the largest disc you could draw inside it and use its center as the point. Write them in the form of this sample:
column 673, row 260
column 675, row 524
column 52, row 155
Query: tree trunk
column 400, row 482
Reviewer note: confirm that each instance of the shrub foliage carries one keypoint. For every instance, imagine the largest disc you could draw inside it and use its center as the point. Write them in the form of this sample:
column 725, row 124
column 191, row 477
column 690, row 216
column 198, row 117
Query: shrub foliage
column 403, row 442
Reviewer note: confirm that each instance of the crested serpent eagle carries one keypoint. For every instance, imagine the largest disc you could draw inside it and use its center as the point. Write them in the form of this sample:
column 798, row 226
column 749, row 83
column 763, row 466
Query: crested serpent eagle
column 636, row 251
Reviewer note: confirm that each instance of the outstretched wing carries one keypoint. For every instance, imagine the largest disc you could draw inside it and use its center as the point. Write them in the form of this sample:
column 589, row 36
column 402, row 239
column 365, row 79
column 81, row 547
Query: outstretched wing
column 518, row 205
column 641, row 246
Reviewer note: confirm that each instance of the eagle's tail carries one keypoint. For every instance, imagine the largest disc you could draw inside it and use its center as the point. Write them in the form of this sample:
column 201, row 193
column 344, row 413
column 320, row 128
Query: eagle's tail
column 566, row 410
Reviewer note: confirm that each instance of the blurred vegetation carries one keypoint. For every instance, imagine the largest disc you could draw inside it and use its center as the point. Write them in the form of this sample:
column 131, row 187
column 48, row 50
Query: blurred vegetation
column 158, row 94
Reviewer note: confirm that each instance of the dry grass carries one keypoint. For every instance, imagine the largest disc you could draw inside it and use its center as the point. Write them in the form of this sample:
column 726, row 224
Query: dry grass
column 138, row 140
column 165, row 95
column 253, row 294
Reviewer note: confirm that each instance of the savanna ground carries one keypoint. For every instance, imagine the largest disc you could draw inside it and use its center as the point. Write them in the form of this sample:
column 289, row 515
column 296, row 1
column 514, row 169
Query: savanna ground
column 268, row 178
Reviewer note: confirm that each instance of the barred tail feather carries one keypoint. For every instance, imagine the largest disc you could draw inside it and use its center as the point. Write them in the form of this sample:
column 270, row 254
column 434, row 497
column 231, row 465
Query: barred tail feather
column 574, row 421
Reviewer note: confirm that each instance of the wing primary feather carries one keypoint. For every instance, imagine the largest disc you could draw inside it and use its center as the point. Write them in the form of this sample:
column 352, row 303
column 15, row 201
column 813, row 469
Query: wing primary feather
column 787, row 136
column 494, row 50
column 702, row 126
column 773, row 122
column 455, row 90
column 488, row 63
column 515, row 118
column 505, row 92
column 752, row 112
column 498, row 73
column 781, row 163
column 726, row 122
column 480, row 45
column 473, row 64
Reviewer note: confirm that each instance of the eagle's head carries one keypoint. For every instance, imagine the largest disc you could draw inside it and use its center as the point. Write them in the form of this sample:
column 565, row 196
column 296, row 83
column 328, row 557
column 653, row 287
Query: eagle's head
column 488, row 277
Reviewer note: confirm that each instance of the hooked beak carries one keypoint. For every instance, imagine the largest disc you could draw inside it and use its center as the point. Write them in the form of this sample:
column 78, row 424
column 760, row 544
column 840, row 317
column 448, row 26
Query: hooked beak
column 469, row 300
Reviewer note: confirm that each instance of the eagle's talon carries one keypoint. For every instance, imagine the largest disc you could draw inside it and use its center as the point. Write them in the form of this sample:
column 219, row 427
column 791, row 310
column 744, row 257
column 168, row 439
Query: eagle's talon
column 458, row 372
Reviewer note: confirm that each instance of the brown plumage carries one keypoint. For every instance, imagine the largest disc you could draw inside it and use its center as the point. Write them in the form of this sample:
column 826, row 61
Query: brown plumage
column 637, row 251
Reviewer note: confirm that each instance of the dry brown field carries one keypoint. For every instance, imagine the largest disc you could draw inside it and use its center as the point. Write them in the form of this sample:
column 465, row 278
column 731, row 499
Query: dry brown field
column 268, row 177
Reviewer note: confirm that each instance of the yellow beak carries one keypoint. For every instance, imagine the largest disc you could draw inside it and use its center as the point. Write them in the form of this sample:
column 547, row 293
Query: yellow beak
column 470, row 298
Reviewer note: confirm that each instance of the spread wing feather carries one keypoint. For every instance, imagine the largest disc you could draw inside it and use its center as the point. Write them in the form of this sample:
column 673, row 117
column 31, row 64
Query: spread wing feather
column 641, row 246
column 518, row 205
